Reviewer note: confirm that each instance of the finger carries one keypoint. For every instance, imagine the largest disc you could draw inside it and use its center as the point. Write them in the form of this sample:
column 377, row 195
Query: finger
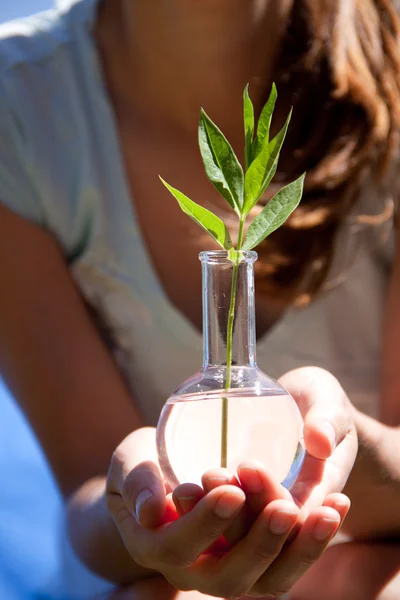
column 243, row 520
column 340, row 503
column 238, row 570
column 259, row 486
column 325, row 429
column 316, row 533
column 216, row 477
column 186, row 496
column 138, row 480
column 309, row 489
column 179, row 544
column 319, row 478
column 213, row 479
column 325, row 408
column 143, row 493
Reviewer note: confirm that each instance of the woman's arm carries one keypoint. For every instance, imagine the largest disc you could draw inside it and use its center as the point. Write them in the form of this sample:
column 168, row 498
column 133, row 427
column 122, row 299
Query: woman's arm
column 66, row 382
column 374, row 484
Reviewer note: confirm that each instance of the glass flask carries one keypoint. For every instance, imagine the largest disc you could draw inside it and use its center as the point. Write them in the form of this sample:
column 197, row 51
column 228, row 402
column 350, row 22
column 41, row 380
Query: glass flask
column 230, row 411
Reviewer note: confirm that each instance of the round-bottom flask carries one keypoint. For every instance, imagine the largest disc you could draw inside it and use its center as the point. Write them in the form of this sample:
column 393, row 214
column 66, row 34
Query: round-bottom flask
column 206, row 423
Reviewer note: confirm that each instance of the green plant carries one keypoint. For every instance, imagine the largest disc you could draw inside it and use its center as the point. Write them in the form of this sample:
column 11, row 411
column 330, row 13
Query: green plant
column 242, row 189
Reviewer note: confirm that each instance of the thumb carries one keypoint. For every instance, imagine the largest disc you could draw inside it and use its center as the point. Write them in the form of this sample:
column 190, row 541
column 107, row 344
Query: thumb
column 323, row 432
column 325, row 408
column 135, row 484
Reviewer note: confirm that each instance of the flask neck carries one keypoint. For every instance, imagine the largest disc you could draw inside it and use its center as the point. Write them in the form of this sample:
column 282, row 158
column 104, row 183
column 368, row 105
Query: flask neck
column 228, row 295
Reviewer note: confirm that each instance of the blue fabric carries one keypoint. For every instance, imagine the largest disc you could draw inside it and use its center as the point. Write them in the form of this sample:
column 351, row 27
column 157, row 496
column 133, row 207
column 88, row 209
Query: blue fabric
column 29, row 508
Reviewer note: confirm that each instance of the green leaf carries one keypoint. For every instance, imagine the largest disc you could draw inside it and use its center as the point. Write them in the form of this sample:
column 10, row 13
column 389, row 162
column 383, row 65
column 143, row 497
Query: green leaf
column 221, row 164
column 248, row 126
column 261, row 171
column 264, row 122
column 203, row 217
column 274, row 214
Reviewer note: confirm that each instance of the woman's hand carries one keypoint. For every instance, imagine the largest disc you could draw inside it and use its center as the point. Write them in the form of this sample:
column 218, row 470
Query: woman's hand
column 329, row 433
column 331, row 442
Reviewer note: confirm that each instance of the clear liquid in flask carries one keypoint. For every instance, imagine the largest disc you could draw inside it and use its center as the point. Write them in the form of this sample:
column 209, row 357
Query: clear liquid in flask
column 266, row 428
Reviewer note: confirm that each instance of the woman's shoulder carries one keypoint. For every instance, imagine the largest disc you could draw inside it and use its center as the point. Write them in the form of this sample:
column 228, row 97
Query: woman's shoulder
column 33, row 39
column 30, row 41
column 37, row 55
column 41, row 50
column 45, row 135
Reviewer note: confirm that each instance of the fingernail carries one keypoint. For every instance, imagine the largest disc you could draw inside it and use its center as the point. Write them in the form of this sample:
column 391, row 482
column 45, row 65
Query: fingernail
column 324, row 529
column 186, row 503
column 141, row 500
column 253, row 479
column 330, row 432
column 226, row 507
column 341, row 505
column 282, row 521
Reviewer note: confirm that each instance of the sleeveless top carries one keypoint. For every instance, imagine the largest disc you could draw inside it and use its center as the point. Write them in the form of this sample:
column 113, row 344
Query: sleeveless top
column 61, row 167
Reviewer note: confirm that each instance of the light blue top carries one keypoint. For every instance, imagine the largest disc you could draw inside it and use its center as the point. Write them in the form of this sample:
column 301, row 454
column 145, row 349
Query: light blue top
column 61, row 167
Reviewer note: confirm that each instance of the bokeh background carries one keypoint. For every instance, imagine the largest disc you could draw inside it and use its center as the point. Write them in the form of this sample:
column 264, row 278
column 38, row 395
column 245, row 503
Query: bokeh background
column 29, row 502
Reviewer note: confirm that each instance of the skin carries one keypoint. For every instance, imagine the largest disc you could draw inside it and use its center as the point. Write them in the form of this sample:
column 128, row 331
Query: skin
column 59, row 369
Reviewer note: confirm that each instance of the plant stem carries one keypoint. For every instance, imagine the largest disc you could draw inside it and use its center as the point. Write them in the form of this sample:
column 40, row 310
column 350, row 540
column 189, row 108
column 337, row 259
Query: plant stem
column 229, row 344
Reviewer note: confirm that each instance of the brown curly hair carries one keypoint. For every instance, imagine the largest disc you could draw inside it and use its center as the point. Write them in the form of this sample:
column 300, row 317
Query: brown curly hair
column 339, row 65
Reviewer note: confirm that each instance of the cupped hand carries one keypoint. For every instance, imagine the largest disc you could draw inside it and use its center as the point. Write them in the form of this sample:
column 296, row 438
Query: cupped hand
column 178, row 547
